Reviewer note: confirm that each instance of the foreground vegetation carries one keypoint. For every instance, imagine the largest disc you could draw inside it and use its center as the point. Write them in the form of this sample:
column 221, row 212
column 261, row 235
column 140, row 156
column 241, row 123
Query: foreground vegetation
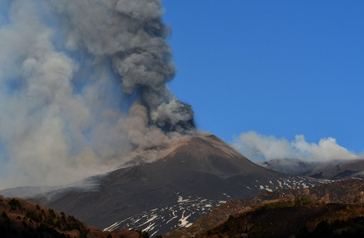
column 19, row 219
column 328, row 210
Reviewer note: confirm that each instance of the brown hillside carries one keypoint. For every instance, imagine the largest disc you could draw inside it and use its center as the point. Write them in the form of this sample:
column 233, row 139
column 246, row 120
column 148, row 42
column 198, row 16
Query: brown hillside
column 328, row 210
column 19, row 218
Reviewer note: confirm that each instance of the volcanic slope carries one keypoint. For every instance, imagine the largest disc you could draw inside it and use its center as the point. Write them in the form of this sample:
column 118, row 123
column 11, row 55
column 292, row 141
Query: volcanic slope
column 197, row 174
column 327, row 210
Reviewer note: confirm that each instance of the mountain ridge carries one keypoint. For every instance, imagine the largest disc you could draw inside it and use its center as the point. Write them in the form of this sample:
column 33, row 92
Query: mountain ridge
column 200, row 169
column 333, row 170
column 191, row 177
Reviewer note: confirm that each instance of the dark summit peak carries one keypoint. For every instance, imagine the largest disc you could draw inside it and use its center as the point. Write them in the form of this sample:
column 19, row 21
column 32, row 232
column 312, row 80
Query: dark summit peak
column 208, row 154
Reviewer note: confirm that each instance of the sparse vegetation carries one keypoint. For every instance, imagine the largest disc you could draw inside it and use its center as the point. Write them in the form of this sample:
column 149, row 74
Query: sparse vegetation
column 279, row 204
column 303, row 200
column 14, row 204
column 144, row 234
column 328, row 210
column 21, row 219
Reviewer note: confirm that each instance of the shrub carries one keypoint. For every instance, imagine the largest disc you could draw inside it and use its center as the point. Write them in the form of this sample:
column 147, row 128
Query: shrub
column 303, row 201
column 144, row 234
column 14, row 204
column 33, row 215
column 5, row 218
column 51, row 212
column 279, row 204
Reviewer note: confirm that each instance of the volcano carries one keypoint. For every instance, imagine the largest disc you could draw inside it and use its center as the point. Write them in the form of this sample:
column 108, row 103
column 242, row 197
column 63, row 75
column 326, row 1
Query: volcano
column 198, row 173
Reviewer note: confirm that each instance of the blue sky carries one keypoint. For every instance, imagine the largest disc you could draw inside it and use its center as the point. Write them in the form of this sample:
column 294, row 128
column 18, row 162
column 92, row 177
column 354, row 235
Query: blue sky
column 280, row 68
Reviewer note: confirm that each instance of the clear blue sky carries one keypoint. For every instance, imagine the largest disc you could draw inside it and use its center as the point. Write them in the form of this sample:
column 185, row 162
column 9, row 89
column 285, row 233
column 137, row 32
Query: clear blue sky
column 276, row 67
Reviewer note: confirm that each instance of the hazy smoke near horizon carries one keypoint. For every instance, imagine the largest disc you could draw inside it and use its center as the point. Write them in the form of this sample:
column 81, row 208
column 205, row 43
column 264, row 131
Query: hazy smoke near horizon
column 82, row 83
column 261, row 148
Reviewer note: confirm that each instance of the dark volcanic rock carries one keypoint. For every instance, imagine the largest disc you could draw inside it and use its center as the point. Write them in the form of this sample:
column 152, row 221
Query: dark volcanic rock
column 197, row 174
column 326, row 210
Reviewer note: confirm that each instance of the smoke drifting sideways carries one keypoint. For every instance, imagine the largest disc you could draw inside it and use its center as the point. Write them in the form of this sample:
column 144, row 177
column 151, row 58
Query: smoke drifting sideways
column 262, row 148
column 83, row 83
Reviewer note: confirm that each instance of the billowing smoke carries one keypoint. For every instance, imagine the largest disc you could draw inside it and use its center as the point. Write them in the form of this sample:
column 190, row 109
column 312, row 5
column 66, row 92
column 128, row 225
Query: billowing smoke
column 131, row 36
column 82, row 83
column 260, row 148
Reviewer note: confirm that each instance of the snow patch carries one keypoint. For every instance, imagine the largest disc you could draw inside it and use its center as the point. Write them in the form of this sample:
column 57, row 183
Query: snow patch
column 183, row 221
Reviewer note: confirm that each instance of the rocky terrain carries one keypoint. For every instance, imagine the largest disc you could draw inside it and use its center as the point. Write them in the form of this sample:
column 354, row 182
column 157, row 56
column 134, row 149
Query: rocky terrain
column 328, row 210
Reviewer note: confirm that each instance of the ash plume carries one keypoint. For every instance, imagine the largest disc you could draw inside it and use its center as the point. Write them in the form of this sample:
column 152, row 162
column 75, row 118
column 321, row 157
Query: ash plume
column 83, row 83
column 132, row 36
column 267, row 148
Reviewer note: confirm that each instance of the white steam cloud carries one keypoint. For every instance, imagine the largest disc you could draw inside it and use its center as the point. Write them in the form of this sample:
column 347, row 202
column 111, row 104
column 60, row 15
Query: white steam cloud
column 260, row 147
column 82, row 83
